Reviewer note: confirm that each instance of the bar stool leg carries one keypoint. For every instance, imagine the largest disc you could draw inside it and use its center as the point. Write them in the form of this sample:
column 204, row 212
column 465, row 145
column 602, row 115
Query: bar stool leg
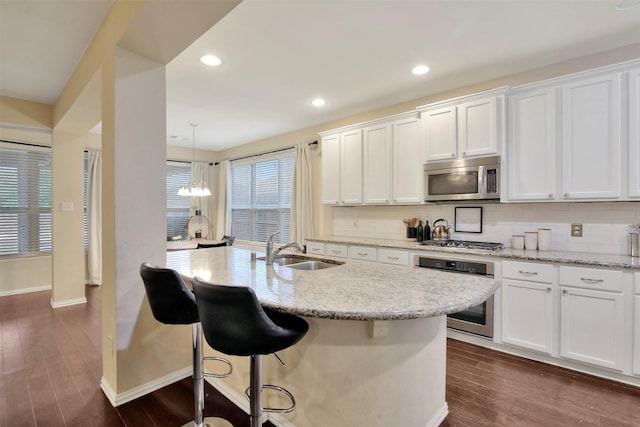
column 255, row 392
column 198, row 384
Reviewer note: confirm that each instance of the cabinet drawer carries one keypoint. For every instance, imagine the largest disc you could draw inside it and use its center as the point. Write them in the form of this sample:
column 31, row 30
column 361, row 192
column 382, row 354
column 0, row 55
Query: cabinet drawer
column 315, row 248
column 390, row 256
column 336, row 250
column 636, row 279
column 591, row 278
column 529, row 271
column 363, row 252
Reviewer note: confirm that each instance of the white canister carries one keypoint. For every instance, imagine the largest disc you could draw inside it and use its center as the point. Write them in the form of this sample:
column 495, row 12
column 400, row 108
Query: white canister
column 544, row 239
column 531, row 240
column 517, row 241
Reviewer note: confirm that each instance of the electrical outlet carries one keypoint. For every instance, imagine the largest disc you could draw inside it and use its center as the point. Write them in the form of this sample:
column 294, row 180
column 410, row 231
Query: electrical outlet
column 576, row 230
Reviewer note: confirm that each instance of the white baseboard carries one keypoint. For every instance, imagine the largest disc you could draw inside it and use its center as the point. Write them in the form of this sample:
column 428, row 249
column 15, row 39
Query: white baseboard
column 68, row 302
column 128, row 396
column 25, row 290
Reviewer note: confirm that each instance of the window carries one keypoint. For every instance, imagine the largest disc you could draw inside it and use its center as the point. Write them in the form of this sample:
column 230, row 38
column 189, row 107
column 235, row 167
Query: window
column 25, row 199
column 261, row 195
column 178, row 175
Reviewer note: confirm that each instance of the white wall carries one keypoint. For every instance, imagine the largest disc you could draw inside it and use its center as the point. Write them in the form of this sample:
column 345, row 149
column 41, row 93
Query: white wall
column 605, row 224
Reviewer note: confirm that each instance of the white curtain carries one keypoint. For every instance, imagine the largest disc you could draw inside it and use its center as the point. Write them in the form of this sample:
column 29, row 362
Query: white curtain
column 94, row 217
column 200, row 174
column 222, row 228
column 302, row 204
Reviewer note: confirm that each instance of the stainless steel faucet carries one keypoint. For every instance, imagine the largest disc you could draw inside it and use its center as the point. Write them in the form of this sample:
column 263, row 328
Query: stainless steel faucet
column 271, row 254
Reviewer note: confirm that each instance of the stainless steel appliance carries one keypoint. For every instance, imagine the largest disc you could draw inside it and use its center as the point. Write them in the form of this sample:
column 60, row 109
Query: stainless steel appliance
column 478, row 319
column 466, row 179
column 464, row 244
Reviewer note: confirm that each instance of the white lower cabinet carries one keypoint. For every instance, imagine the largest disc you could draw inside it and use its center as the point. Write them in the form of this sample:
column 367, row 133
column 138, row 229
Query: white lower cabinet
column 527, row 305
column 592, row 317
column 636, row 326
column 636, row 337
column 341, row 251
column 365, row 253
column 527, row 315
column 315, row 248
column 392, row 256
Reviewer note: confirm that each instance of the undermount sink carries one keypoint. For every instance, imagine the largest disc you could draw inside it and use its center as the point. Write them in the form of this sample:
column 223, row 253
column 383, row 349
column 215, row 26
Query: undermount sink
column 301, row 262
column 312, row 265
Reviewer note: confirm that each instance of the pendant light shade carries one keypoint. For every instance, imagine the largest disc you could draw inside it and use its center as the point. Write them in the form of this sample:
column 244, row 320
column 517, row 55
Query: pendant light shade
column 195, row 189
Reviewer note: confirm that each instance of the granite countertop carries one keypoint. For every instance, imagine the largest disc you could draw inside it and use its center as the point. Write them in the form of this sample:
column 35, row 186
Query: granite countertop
column 355, row 290
column 563, row 257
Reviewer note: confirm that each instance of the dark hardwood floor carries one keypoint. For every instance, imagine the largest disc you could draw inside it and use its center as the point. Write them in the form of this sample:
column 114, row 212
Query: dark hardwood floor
column 50, row 370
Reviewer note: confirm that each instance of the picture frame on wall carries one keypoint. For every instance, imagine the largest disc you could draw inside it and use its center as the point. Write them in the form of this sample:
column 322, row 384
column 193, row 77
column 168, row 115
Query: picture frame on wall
column 468, row 219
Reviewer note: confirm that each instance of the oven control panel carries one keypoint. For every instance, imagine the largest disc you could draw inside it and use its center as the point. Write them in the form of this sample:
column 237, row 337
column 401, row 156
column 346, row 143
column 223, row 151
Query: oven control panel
column 459, row 266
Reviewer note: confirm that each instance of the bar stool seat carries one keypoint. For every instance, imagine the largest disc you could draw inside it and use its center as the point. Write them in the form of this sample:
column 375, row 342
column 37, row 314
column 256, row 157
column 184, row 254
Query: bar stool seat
column 173, row 303
column 234, row 323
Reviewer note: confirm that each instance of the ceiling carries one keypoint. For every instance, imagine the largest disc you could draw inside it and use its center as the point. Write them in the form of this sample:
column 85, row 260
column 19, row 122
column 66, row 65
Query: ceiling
column 277, row 56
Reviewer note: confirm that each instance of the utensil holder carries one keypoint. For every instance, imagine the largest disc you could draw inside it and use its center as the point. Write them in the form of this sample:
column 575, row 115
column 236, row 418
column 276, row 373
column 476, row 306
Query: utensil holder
column 412, row 232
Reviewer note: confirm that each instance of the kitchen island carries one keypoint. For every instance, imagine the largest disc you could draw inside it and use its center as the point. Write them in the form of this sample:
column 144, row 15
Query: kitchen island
column 375, row 354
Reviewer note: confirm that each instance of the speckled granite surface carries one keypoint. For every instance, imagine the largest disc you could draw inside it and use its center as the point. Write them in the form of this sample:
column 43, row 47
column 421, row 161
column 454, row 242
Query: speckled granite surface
column 564, row 257
column 355, row 290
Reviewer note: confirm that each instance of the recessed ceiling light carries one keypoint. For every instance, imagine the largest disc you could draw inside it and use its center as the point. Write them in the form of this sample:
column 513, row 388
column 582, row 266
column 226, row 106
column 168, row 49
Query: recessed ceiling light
column 211, row 60
column 318, row 102
column 420, row 69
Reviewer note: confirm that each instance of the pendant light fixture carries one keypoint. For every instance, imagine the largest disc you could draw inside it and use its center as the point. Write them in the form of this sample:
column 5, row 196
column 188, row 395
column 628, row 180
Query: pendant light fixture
column 195, row 189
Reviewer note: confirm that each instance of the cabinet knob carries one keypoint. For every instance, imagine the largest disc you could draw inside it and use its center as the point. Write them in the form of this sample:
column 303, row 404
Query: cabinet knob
column 453, row 154
column 566, row 195
column 548, row 290
column 565, row 292
column 464, row 153
column 550, row 196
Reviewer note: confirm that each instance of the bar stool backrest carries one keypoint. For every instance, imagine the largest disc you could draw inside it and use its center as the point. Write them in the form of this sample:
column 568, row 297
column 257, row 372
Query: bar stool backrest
column 234, row 322
column 170, row 300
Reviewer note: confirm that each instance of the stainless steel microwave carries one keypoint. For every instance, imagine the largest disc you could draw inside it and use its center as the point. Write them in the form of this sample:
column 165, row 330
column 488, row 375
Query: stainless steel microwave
column 466, row 179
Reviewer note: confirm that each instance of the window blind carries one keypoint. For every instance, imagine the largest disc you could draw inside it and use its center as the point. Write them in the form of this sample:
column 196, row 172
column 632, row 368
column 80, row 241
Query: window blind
column 178, row 207
column 25, row 199
column 261, row 196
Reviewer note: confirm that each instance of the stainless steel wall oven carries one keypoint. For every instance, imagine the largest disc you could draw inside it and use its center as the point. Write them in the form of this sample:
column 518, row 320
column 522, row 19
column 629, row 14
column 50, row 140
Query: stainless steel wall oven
column 478, row 319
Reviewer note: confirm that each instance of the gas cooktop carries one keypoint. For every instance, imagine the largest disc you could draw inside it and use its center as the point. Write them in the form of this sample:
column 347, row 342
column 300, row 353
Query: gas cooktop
column 464, row 244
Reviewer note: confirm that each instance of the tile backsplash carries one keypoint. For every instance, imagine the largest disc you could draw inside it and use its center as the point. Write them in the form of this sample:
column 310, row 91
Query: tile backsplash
column 605, row 225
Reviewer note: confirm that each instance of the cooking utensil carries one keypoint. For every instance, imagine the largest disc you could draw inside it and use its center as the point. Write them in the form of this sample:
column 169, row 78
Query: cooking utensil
column 441, row 232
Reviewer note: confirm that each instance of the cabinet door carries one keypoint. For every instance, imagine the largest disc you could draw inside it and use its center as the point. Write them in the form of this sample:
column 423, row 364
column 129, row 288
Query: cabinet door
column 331, row 169
column 532, row 145
column 377, row 164
column 440, row 134
column 636, row 338
column 591, row 139
column 527, row 315
column 478, row 127
column 634, row 133
column 351, row 167
column 407, row 161
column 592, row 327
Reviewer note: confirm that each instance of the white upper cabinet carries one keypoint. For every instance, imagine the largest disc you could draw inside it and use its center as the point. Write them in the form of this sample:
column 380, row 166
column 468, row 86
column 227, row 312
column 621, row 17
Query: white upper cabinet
column 377, row 165
column 331, row 169
column 478, row 127
column 591, row 167
column 441, row 133
column 465, row 127
column 532, row 154
column 351, row 167
column 342, row 168
column 407, row 161
column 634, row 133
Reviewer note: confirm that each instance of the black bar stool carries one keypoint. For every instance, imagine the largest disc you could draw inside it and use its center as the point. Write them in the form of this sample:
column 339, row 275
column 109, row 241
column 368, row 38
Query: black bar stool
column 173, row 303
column 234, row 322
